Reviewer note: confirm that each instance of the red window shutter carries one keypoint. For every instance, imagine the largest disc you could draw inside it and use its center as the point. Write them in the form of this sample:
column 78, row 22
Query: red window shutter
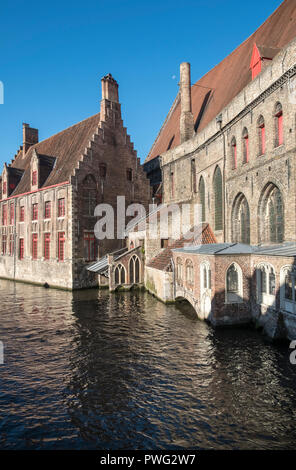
column 89, row 246
column 280, row 129
column 21, row 248
column 35, row 211
column 47, row 246
column 61, row 242
column 34, row 245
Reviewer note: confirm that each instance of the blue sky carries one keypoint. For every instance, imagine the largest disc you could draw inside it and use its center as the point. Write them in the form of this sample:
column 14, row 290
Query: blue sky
column 53, row 55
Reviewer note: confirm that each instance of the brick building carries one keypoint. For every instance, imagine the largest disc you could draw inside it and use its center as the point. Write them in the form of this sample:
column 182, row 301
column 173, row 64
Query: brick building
column 229, row 144
column 51, row 188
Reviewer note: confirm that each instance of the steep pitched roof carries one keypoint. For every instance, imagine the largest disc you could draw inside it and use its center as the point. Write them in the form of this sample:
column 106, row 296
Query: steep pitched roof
column 66, row 147
column 221, row 84
column 162, row 260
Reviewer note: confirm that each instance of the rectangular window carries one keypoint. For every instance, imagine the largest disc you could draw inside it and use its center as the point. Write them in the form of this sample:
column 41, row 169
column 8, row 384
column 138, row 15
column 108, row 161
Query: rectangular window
column 164, row 243
column 34, row 178
column 61, row 247
column 4, row 215
column 4, row 187
column 35, row 212
column 234, row 156
column 4, row 240
column 11, row 214
column 89, row 246
column 21, row 252
column 34, row 246
column 11, row 244
column 47, row 210
column 46, row 246
column 61, row 207
column 22, row 213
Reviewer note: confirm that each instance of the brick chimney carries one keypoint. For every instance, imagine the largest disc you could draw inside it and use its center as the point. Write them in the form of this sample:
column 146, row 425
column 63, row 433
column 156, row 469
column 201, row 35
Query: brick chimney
column 186, row 118
column 110, row 107
column 109, row 88
column 30, row 137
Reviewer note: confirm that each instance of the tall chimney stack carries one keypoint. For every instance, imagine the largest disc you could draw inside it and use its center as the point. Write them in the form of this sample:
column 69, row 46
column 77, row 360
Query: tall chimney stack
column 30, row 137
column 109, row 88
column 186, row 118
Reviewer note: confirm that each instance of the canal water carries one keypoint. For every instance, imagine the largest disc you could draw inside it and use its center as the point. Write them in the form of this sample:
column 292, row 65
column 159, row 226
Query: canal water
column 93, row 370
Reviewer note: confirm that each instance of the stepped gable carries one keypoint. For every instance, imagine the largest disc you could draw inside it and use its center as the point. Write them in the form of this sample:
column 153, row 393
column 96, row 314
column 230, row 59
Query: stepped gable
column 221, row 84
column 163, row 259
column 67, row 148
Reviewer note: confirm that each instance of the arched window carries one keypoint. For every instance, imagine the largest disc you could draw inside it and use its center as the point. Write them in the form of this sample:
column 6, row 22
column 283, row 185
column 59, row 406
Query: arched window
column 189, row 273
column 245, row 137
column 261, row 136
column 233, row 153
column 202, row 198
column 234, row 289
column 218, row 195
column 278, row 122
column 240, row 220
column 205, row 276
column 89, row 195
column 119, row 275
column 134, row 270
column 271, row 215
column 265, row 284
column 179, row 273
column 288, row 288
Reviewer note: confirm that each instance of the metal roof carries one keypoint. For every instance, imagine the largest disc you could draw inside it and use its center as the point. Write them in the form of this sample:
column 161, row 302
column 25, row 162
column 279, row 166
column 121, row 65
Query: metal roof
column 284, row 249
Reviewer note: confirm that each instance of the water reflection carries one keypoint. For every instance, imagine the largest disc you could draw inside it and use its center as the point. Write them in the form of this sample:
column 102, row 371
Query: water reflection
column 94, row 370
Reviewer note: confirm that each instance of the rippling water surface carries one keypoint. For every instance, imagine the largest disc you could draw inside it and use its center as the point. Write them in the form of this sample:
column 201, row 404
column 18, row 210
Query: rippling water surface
column 90, row 370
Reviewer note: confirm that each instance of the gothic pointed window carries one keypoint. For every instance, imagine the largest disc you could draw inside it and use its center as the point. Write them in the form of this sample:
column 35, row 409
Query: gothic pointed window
column 134, row 270
column 234, row 284
column 240, row 221
column 278, row 121
column 271, row 215
column 245, row 145
column 233, row 153
column 119, row 275
column 218, row 199
column 261, row 136
column 193, row 176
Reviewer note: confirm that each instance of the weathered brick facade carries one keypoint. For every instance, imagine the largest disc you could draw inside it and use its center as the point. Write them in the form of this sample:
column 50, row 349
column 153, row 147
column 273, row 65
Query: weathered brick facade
column 89, row 163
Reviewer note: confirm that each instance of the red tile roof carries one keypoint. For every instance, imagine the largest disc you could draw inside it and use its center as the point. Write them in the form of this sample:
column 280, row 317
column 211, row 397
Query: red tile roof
column 229, row 77
column 67, row 147
column 162, row 260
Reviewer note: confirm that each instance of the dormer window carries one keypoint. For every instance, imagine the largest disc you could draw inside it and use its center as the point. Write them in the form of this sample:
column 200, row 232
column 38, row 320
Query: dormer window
column 261, row 56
